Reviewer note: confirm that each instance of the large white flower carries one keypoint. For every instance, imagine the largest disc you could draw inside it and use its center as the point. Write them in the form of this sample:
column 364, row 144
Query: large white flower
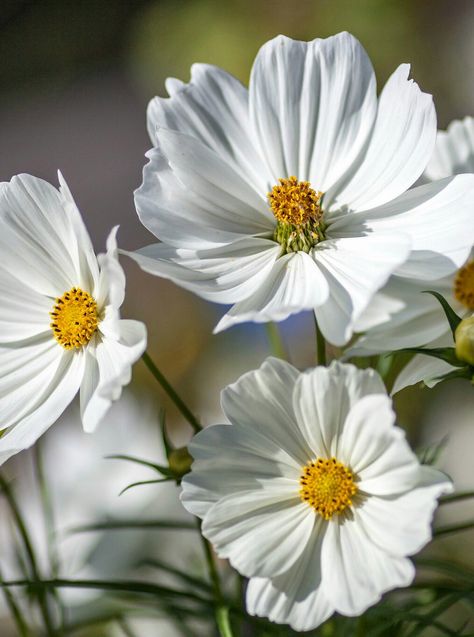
column 292, row 195
column 400, row 314
column 311, row 491
column 60, row 328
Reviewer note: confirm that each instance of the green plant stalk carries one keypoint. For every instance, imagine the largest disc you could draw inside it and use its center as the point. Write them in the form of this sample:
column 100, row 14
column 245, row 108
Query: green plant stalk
column 320, row 344
column 180, row 404
column 275, row 341
column 22, row 530
column 222, row 610
column 22, row 626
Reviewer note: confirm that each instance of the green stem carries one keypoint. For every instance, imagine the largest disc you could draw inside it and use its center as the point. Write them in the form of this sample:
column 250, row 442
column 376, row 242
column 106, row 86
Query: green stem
column 22, row 530
column 320, row 344
column 22, row 626
column 222, row 610
column 275, row 341
column 180, row 404
column 456, row 497
column 49, row 522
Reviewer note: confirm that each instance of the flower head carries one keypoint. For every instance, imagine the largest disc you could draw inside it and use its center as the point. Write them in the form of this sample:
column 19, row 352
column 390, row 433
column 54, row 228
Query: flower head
column 294, row 195
column 312, row 491
column 59, row 316
column 400, row 315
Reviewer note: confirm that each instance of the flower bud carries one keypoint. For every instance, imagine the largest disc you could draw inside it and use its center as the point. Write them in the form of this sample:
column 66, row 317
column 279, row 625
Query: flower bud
column 180, row 461
column 464, row 338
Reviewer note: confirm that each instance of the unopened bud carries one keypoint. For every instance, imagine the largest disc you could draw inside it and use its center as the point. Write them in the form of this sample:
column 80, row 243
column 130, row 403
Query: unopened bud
column 464, row 338
column 180, row 461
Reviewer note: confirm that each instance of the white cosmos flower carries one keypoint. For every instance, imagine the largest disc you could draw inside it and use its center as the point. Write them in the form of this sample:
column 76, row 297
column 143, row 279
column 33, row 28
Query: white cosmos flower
column 400, row 315
column 292, row 195
column 311, row 491
column 60, row 327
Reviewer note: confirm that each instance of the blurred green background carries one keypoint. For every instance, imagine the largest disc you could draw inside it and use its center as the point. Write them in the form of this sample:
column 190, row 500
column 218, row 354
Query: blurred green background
column 75, row 79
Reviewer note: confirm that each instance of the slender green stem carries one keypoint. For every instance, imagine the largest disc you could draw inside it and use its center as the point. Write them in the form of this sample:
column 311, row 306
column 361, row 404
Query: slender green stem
column 22, row 626
column 320, row 344
column 222, row 610
column 456, row 497
column 23, row 532
column 453, row 528
column 275, row 341
column 180, row 404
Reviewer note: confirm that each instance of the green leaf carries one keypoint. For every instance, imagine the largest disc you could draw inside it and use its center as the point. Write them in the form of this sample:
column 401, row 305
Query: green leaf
column 453, row 528
column 465, row 372
column 143, row 482
column 457, row 571
column 146, row 463
column 456, row 497
column 446, row 354
column 430, row 455
column 126, row 525
column 119, row 586
column 185, row 577
column 453, row 318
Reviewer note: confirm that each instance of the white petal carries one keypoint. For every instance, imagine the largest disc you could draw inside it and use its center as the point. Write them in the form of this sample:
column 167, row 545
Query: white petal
column 295, row 283
column 436, row 216
column 262, row 399
column 111, row 284
column 400, row 146
column 191, row 198
column 54, row 399
column 226, row 274
column 39, row 240
column 296, row 597
column 26, row 371
column 312, row 106
column 454, row 151
column 356, row 572
column 262, row 531
column 421, row 368
column 213, row 108
column 401, row 524
column 355, row 268
column 401, row 315
column 323, row 397
column 24, row 313
column 247, row 459
column 376, row 451
column 104, row 379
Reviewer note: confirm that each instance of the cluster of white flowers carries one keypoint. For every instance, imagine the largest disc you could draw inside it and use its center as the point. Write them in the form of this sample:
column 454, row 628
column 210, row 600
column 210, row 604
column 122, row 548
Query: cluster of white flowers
column 304, row 192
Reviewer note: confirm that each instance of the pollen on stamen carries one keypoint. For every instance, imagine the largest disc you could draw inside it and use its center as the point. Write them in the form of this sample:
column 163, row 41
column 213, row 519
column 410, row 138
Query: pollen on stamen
column 328, row 486
column 74, row 318
column 297, row 209
column 464, row 285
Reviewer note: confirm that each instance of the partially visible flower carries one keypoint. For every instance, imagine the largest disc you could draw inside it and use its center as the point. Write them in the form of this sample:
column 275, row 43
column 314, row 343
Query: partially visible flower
column 400, row 315
column 60, row 327
column 294, row 195
column 311, row 491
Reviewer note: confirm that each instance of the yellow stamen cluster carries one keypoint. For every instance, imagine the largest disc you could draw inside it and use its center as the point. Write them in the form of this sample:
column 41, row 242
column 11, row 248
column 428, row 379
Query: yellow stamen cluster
column 328, row 486
column 464, row 285
column 74, row 318
column 295, row 202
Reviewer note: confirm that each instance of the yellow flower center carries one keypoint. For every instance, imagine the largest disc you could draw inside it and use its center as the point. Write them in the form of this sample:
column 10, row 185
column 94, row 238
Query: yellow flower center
column 74, row 318
column 295, row 202
column 328, row 486
column 297, row 209
column 464, row 285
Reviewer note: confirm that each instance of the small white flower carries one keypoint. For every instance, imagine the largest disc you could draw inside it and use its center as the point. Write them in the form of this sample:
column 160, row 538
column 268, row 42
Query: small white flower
column 60, row 328
column 312, row 491
column 292, row 195
column 402, row 316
